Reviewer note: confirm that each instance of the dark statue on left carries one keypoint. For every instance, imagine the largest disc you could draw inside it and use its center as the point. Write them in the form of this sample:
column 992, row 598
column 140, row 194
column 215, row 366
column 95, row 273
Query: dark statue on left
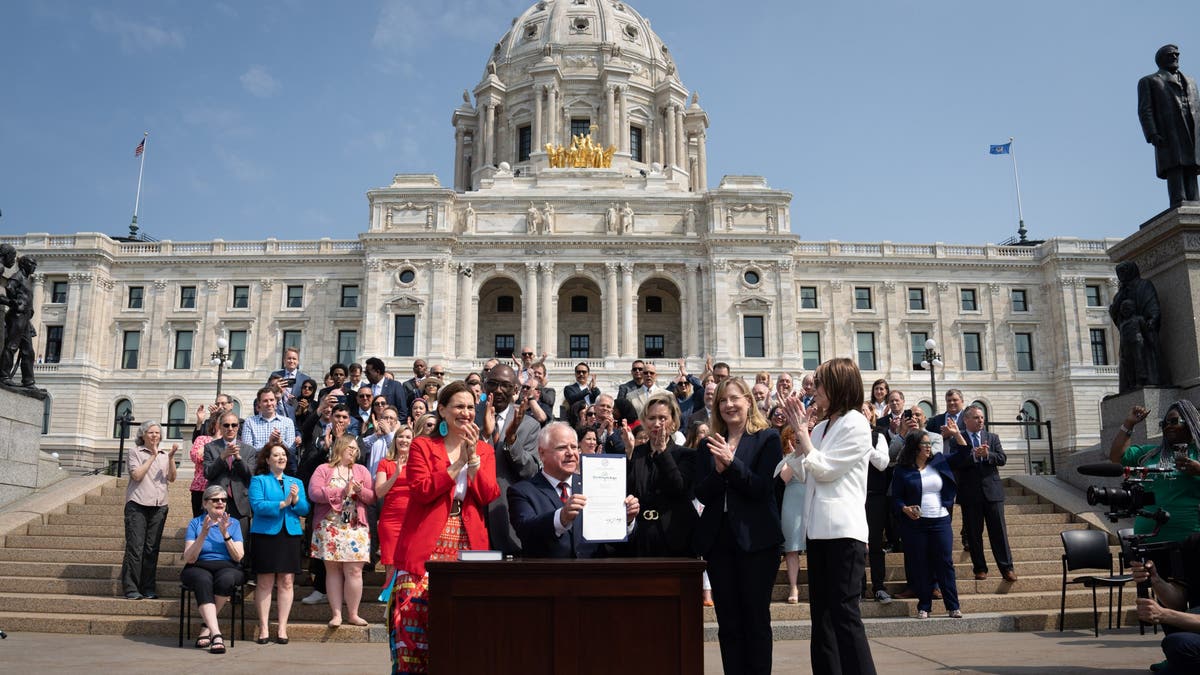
column 18, row 320
column 1135, row 312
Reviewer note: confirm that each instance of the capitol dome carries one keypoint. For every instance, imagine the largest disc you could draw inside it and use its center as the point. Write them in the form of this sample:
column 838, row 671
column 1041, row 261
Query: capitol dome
column 578, row 67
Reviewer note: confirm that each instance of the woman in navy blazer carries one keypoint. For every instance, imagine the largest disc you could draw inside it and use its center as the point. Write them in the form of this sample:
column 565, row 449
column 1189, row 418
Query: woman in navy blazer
column 278, row 502
column 923, row 490
column 739, row 532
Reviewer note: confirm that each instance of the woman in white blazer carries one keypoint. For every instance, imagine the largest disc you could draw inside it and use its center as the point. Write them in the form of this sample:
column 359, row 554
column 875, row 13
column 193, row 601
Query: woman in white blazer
column 832, row 462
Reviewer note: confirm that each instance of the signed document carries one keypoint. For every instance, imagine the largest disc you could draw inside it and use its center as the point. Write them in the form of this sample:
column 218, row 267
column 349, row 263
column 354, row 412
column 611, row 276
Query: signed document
column 604, row 485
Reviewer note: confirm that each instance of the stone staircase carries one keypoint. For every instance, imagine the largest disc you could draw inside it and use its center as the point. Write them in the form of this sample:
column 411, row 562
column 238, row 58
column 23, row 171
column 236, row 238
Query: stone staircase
column 59, row 574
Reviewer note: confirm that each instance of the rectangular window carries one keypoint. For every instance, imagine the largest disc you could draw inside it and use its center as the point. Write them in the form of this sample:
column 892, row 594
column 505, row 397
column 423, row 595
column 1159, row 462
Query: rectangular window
column 295, row 297
column 347, row 346
column 579, row 304
column 967, row 298
column 1019, row 301
column 752, row 336
column 580, row 126
column 1099, row 347
column 1093, row 296
column 350, row 296
column 505, row 304
column 187, row 297
column 866, row 350
column 137, row 295
column 241, row 297
column 862, row 297
column 654, row 304
column 524, row 143
column 237, row 349
column 1024, row 349
column 129, row 349
column 183, row 350
column 917, row 342
column 652, row 346
column 808, row 297
column 58, row 293
column 54, row 339
column 505, row 346
column 635, row 144
column 810, row 349
column 291, row 338
column 405, row 341
column 581, row 346
column 972, row 351
column 916, row 299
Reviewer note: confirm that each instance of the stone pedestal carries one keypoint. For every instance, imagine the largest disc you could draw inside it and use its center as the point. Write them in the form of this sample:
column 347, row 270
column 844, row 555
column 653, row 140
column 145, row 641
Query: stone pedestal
column 23, row 466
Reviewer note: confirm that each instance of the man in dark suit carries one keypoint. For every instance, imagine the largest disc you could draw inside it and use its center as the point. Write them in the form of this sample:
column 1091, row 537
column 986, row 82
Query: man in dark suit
column 292, row 378
column 635, row 370
column 583, row 389
column 954, row 411
column 1169, row 110
column 545, row 509
column 225, row 465
column 412, row 386
column 386, row 387
column 976, row 454
column 513, row 435
column 890, row 422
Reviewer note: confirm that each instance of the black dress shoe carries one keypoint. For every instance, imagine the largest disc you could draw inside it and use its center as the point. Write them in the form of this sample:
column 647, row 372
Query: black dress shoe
column 150, row 596
column 133, row 595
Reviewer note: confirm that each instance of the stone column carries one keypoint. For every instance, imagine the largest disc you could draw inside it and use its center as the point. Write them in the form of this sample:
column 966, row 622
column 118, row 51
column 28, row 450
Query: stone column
column 623, row 127
column 610, row 116
column 464, row 349
column 530, row 305
column 552, row 116
column 680, row 138
column 489, row 135
column 691, row 318
column 536, row 131
column 628, row 301
column 671, row 143
column 548, row 332
column 459, row 164
column 611, row 320
column 701, row 162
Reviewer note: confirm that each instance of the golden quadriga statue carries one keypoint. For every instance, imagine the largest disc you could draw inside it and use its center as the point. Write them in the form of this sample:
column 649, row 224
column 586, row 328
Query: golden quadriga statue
column 583, row 154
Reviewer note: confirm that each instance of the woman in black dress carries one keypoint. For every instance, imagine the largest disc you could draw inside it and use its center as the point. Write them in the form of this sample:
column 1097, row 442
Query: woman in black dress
column 660, row 476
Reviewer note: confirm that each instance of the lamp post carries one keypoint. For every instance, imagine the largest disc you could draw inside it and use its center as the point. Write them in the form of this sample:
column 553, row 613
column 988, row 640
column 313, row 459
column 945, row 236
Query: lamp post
column 1027, row 420
column 220, row 359
column 932, row 360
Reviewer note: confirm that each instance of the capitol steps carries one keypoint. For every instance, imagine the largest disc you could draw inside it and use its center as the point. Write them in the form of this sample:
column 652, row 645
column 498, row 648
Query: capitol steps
column 61, row 574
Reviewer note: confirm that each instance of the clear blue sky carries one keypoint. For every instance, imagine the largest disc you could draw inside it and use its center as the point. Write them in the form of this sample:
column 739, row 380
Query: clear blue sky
column 272, row 119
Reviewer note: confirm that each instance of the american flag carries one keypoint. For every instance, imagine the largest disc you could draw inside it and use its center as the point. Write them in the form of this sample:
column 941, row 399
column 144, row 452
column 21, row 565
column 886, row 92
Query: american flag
column 140, row 148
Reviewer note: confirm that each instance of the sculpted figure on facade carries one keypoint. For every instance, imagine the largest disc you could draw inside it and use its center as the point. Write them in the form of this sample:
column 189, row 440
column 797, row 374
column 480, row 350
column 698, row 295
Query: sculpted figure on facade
column 689, row 221
column 610, row 219
column 533, row 220
column 548, row 218
column 626, row 219
column 469, row 219
column 1136, row 313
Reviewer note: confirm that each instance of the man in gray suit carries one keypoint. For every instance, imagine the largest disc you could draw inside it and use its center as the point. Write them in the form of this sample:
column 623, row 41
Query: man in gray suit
column 513, row 434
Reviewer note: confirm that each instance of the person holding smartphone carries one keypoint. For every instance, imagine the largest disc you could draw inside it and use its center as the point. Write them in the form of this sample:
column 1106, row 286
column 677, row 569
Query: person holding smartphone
column 1178, row 491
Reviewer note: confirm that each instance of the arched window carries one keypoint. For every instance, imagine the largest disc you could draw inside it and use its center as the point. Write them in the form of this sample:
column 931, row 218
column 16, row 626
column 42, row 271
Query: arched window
column 982, row 406
column 122, row 408
column 1031, row 412
column 176, row 413
column 237, row 407
column 926, row 408
column 46, row 416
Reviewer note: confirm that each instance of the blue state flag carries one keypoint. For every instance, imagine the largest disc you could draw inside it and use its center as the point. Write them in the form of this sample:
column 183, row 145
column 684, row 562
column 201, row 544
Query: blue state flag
column 1000, row 149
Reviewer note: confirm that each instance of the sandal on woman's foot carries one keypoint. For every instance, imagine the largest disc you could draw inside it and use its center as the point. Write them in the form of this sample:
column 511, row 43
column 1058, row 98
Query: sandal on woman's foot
column 358, row 622
column 203, row 641
column 335, row 623
column 218, row 645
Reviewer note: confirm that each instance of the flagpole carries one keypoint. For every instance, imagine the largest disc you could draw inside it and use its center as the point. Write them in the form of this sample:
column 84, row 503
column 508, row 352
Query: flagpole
column 1021, row 231
column 133, row 226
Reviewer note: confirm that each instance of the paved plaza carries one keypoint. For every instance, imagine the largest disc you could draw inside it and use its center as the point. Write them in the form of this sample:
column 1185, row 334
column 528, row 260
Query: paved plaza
column 1051, row 653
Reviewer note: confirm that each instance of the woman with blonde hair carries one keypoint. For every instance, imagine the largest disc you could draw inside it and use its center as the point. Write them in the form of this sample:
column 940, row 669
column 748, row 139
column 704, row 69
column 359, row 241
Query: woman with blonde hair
column 660, row 476
column 425, row 424
column 739, row 531
column 391, row 486
column 340, row 491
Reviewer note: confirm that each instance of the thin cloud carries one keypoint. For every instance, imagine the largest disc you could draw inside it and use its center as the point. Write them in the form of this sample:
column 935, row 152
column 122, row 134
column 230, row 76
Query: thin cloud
column 241, row 168
column 259, row 82
column 407, row 27
column 136, row 36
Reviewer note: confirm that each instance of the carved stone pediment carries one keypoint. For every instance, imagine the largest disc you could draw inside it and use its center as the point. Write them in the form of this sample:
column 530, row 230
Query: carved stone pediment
column 405, row 302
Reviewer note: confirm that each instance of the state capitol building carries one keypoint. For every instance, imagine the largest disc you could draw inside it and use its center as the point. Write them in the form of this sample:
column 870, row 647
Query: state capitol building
column 627, row 250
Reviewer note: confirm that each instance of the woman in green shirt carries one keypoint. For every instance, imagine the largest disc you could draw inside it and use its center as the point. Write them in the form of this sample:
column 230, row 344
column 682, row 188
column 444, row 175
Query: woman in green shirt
column 1179, row 492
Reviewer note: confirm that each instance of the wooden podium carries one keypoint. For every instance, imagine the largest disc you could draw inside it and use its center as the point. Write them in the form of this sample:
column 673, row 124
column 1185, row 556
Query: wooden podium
column 620, row 616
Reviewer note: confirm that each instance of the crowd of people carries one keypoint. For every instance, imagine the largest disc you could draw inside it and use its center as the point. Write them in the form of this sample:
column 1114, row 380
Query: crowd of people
column 361, row 469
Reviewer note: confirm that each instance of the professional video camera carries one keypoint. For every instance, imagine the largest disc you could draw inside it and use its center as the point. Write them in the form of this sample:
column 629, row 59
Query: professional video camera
column 1129, row 500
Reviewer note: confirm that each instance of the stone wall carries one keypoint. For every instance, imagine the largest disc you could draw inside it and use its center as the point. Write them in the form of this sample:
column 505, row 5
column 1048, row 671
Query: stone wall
column 23, row 466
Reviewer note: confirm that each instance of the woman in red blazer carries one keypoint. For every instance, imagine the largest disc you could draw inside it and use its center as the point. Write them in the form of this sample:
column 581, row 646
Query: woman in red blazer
column 451, row 478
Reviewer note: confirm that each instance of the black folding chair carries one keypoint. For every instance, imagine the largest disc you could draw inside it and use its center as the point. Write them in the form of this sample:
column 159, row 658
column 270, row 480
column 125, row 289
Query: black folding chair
column 1088, row 549
column 237, row 601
